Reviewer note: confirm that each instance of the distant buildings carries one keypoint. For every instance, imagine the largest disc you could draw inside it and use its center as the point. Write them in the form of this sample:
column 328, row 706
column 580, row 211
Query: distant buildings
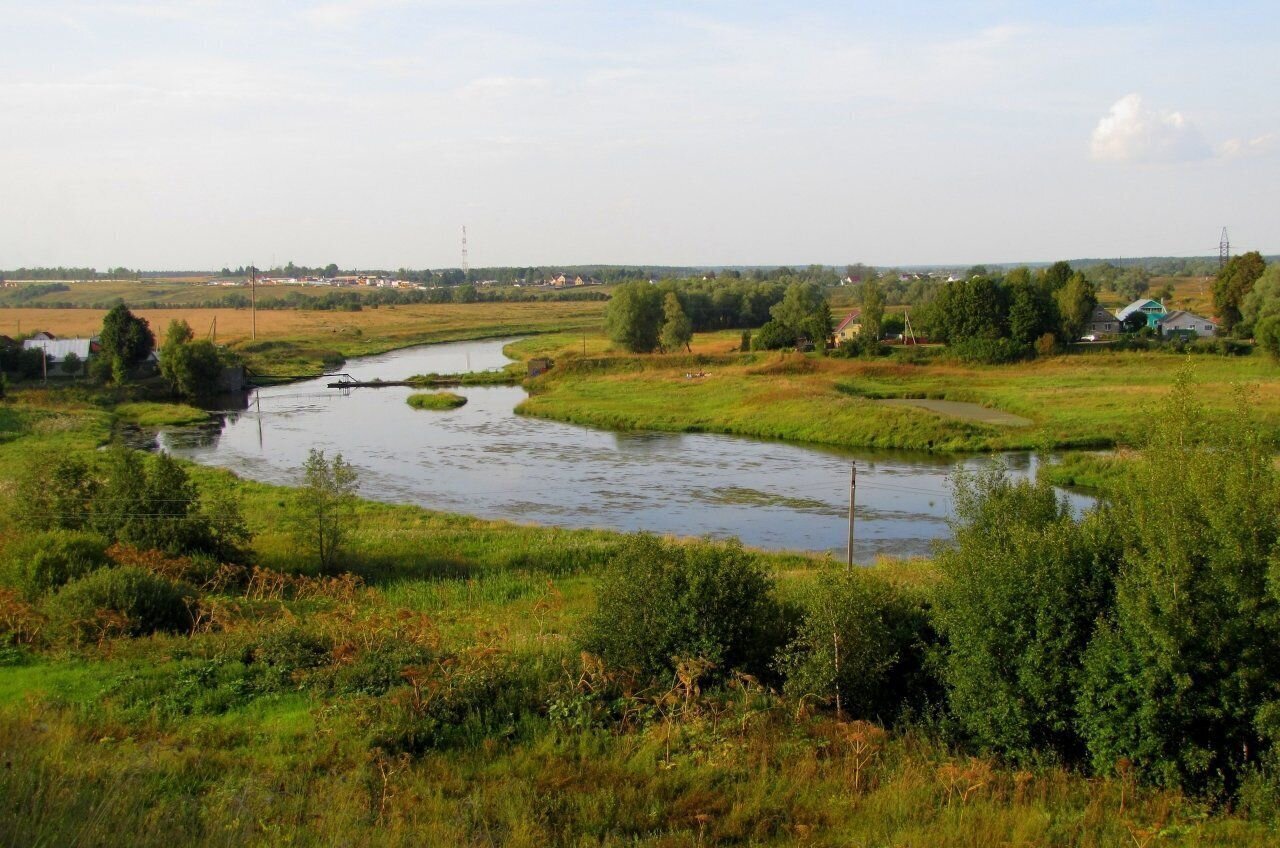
column 58, row 351
column 850, row 327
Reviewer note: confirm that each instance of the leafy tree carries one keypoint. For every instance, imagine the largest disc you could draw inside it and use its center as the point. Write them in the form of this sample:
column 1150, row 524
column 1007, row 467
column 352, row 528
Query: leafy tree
column 745, row 342
column 967, row 309
column 799, row 305
column 1262, row 301
column 323, row 508
column 773, row 336
column 1178, row 675
column 1032, row 311
column 1233, row 283
column 126, row 340
column 40, row 563
column 872, row 308
column 1023, row 584
column 1267, row 332
column 55, row 493
column 860, row 647
column 71, row 363
column 633, row 317
column 1056, row 276
column 193, row 368
column 1134, row 283
column 819, row 327
column 1076, row 300
column 659, row 603
column 677, row 331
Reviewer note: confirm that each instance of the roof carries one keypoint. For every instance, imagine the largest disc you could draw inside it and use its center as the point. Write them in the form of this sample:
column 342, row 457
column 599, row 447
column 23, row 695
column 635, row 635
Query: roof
column 57, row 349
column 854, row 317
column 1140, row 304
column 1181, row 314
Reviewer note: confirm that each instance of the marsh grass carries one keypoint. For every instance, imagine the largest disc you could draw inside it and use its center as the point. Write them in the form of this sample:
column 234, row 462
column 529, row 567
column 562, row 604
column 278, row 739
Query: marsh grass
column 1097, row 399
column 435, row 400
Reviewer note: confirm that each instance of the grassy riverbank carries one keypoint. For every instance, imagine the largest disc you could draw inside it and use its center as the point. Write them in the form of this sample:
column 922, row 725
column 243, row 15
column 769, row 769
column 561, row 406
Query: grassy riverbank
column 1096, row 399
column 280, row 719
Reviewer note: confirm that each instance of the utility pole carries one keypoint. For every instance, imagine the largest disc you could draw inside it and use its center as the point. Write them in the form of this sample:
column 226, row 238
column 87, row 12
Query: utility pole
column 853, row 497
column 253, row 301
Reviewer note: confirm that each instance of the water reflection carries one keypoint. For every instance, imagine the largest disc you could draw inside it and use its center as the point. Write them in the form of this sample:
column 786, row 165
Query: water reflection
column 484, row 460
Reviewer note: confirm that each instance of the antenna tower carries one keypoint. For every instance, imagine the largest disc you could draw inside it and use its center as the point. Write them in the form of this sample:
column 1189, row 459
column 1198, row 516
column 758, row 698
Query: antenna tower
column 465, row 266
column 1224, row 250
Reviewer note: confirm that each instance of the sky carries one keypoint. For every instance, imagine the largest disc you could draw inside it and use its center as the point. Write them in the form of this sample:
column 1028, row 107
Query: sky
column 193, row 134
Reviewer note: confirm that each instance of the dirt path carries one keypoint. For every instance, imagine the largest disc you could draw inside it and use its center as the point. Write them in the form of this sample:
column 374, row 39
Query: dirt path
column 965, row 411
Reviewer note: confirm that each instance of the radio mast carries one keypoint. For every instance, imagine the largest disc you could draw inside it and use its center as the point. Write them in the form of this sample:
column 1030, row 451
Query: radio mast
column 465, row 266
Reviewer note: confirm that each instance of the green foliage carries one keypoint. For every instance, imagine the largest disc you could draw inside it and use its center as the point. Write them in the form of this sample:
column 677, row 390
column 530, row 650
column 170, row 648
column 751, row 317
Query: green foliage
column 1076, row 300
column 1033, row 311
column 55, row 492
column 860, row 647
column 967, row 309
column 1267, row 333
column 193, row 368
column 436, row 400
column 42, row 562
column 323, row 509
column 1023, row 584
column 126, row 339
column 1262, row 301
column 634, row 316
column 801, row 303
column 774, row 335
column 981, row 351
column 1233, row 284
column 677, row 331
column 872, row 309
column 150, row 503
column 660, row 603
column 136, row 602
column 1178, row 674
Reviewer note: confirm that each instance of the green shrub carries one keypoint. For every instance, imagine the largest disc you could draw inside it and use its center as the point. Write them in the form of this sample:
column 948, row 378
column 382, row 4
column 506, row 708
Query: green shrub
column 989, row 351
column 860, row 647
column 42, row 562
column 137, row 601
column 658, row 603
column 288, row 652
column 773, row 336
column 1179, row 679
column 1023, row 584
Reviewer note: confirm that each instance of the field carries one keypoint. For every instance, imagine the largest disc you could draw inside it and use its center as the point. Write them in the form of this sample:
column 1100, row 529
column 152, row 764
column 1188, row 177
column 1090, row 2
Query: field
column 281, row 718
column 297, row 342
column 1092, row 399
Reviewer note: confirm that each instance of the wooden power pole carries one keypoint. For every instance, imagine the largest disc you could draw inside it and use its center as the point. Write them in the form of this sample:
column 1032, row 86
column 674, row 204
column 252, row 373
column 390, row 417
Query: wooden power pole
column 253, row 302
column 853, row 497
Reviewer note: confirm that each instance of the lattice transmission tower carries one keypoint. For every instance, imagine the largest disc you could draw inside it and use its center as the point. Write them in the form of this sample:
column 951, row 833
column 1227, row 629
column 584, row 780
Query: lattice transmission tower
column 1224, row 250
column 466, row 267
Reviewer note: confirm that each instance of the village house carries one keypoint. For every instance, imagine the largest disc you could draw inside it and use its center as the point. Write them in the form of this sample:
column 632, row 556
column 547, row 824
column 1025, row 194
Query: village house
column 1182, row 323
column 1103, row 323
column 57, row 351
column 1153, row 309
column 850, row 327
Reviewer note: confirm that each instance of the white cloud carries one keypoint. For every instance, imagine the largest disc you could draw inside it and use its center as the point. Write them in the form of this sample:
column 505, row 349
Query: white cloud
column 1245, row 148
column 1135, row 132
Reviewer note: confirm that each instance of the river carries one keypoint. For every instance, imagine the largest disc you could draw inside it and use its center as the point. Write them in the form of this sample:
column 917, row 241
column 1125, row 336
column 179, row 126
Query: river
column 482, row 459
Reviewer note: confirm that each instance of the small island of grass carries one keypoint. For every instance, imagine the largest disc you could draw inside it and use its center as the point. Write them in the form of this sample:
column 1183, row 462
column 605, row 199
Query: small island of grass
column 148, row 414
column 436, row 400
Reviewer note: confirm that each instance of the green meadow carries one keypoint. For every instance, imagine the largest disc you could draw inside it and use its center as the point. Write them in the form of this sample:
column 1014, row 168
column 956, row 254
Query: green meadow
column 434, row 691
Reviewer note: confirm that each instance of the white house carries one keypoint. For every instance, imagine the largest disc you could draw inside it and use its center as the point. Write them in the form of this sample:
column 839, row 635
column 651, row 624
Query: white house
column 56, row 352
column 1187, row 323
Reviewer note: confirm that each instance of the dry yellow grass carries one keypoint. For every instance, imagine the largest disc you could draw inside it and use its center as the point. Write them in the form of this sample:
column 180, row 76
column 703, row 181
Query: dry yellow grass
column 406, row 322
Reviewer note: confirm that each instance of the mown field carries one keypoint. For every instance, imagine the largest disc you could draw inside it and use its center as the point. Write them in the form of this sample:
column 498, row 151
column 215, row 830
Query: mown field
column 434, row 693
column 1092, row 399
column 296, row 342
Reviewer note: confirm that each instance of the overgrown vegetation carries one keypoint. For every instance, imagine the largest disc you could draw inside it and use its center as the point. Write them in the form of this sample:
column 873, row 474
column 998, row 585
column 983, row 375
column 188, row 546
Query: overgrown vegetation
column 1052, row 678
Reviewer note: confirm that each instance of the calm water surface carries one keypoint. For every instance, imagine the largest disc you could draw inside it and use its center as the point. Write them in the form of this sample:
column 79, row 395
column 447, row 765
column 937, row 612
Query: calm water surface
column 485, row 460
